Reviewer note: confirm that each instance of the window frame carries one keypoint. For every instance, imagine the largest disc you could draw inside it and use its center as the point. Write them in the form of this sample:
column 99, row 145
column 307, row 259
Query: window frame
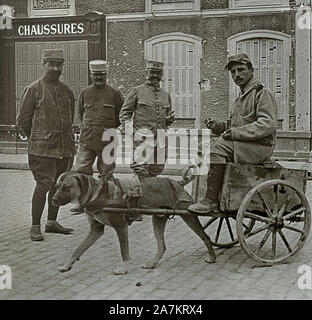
column 258, row 4
column 183, row 5
column 33, row 13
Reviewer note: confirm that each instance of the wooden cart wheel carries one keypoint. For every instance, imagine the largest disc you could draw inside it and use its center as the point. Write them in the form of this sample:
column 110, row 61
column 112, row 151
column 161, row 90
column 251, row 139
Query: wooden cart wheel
column 287, row 225
column 221, row 229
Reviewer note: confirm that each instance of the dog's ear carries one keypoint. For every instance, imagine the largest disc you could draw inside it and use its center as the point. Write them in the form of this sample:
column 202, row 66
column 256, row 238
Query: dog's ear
column 84, row 184
column 77, row 179
column 60, row 179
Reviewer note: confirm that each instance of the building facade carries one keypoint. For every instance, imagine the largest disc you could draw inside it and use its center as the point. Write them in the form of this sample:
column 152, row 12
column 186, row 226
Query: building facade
column 192, row 37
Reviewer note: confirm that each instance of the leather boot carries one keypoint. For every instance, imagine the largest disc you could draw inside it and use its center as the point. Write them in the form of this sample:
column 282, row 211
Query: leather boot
column 214, row 185
column 35, row 233
column 55, row 227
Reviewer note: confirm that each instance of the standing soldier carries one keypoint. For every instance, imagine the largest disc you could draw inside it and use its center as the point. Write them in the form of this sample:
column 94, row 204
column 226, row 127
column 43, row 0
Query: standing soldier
column 46, row 116
column 98, row 109
column 150, row 109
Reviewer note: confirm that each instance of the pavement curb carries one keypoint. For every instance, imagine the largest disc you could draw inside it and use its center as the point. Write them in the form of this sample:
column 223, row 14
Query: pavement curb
column 119, row 169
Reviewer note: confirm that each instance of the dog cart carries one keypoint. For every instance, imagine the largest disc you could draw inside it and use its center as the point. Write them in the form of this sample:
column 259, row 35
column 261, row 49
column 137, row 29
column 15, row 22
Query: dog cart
column 262, row 207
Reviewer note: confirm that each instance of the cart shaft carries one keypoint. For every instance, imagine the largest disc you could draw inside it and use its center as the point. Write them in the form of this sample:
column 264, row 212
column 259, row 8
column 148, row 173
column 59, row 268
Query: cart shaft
column 149, row 211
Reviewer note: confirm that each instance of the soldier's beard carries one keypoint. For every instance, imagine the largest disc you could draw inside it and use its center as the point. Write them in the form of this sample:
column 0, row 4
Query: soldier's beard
column 100, row 83
column 54, row 75
column 154, row 80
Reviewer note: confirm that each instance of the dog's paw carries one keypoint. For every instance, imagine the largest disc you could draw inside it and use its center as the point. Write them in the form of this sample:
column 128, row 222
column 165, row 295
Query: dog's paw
column 63, row 268
column 210, row 259
column 120, row 270
column 149, row 265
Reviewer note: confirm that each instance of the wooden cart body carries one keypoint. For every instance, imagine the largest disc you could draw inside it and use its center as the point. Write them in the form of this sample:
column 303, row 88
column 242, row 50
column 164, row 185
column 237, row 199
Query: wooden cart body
column 239, row 179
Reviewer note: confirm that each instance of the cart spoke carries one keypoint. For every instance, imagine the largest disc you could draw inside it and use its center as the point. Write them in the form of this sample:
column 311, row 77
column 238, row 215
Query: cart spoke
column 219, row 229
column 245, row 226
column 285, row 240
column 265, row 238
column 281, row 211
column 275, row 207
column 229, row 228
column 273, row 244
column 265, row 206
column 210, row 222
column 283, row 208
column 256, row 217
column 294, row 213
column 294, row 229
column 257, row 231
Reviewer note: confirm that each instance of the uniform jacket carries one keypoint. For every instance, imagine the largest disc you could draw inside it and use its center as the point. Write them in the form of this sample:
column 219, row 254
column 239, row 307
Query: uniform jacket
column 46, row 116
column 253, row 123
column 98, row 109
column 147, row 106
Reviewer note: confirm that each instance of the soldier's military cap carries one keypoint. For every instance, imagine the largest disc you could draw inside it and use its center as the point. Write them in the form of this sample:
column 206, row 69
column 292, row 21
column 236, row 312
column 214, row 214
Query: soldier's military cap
column 155, row 65
column 238, row 58
column 98, row 66
column 53, row 55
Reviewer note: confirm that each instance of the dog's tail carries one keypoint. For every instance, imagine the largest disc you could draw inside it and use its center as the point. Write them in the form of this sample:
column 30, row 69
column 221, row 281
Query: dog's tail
column 187, row 175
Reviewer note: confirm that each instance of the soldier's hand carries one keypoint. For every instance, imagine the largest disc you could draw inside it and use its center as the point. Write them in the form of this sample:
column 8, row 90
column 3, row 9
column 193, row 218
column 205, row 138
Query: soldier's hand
column 76, row 129
column 170, row 118
column 210, row 123
column 227, row 135
column 77, row 137
column 22, row 136
column 121, row 128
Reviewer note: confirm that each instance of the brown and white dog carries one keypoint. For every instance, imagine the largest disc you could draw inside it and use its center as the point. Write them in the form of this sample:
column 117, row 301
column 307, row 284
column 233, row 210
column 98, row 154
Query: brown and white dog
column 157, row 193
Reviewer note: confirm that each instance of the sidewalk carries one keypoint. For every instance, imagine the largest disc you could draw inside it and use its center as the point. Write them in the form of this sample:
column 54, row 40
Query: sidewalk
column 20, row 162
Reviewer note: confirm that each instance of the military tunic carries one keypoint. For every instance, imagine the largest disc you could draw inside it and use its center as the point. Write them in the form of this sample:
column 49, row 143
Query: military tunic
column 46, row 116
column 148, row 106
column 98, row 110
column 253, row 128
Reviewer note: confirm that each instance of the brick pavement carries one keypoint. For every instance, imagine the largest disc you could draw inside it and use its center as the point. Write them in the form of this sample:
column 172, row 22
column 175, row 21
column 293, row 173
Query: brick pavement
column 182, row 274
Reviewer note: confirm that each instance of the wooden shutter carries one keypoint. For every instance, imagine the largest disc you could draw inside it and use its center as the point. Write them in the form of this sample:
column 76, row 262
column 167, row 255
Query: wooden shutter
column 179, row 74
column 267, row 58
column 257, row 3
column 29, row 64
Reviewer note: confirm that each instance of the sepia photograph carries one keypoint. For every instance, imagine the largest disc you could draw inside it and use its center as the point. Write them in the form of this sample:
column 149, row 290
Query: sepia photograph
column 155, row 154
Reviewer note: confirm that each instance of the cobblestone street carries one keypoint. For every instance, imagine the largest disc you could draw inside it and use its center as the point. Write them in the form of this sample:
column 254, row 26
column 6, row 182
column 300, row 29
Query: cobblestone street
column 182, row 273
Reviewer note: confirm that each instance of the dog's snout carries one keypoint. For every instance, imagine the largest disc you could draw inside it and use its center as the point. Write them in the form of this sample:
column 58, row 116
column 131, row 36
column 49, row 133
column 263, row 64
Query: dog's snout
column 60, row 199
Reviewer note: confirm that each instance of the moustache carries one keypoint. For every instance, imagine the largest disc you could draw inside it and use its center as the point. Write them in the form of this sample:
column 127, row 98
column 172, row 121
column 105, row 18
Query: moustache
column 155, row 78
column 54, row 73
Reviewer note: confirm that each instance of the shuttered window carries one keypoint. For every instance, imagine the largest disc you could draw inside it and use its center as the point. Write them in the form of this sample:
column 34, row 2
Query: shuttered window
column 29, row 64
column 181, row 71
column 270, row 58
column 236, row 4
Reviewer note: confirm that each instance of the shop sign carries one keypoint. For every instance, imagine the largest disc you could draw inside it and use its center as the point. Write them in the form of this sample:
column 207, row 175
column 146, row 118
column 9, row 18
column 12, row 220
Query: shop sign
column 54, row 29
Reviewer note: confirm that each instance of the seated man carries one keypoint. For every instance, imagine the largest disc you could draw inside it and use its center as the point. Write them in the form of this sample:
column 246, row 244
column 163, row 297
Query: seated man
column 250, row 138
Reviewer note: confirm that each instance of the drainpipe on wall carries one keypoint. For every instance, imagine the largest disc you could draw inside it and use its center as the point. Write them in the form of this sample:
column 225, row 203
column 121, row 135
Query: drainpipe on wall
column 303, row 62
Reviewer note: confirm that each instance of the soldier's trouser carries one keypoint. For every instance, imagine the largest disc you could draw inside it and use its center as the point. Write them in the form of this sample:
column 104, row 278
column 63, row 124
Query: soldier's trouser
column 151, row 163
column 85, row 158
column 221, row 152
column 46, row 171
